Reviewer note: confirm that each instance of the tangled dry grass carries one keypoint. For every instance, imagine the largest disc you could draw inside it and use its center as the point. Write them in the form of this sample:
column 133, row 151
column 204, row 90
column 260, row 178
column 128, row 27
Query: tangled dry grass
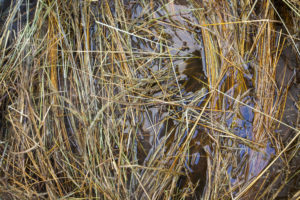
column 95, row 103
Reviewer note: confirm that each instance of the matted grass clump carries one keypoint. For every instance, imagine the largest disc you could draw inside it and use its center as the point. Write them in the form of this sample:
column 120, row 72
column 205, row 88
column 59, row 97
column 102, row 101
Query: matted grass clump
column 149, row 99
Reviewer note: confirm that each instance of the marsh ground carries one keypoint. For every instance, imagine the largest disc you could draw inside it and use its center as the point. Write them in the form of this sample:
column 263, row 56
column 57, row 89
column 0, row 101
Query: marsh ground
column 149, row 99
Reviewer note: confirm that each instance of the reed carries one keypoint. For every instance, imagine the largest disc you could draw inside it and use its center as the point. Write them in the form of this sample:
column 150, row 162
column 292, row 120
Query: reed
column 105, row 100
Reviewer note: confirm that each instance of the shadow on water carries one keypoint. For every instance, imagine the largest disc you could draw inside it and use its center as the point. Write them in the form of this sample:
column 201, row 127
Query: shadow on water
column 195, row 78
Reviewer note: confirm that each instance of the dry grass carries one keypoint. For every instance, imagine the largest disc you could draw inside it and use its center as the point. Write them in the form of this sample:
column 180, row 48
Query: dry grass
column 94, row 105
